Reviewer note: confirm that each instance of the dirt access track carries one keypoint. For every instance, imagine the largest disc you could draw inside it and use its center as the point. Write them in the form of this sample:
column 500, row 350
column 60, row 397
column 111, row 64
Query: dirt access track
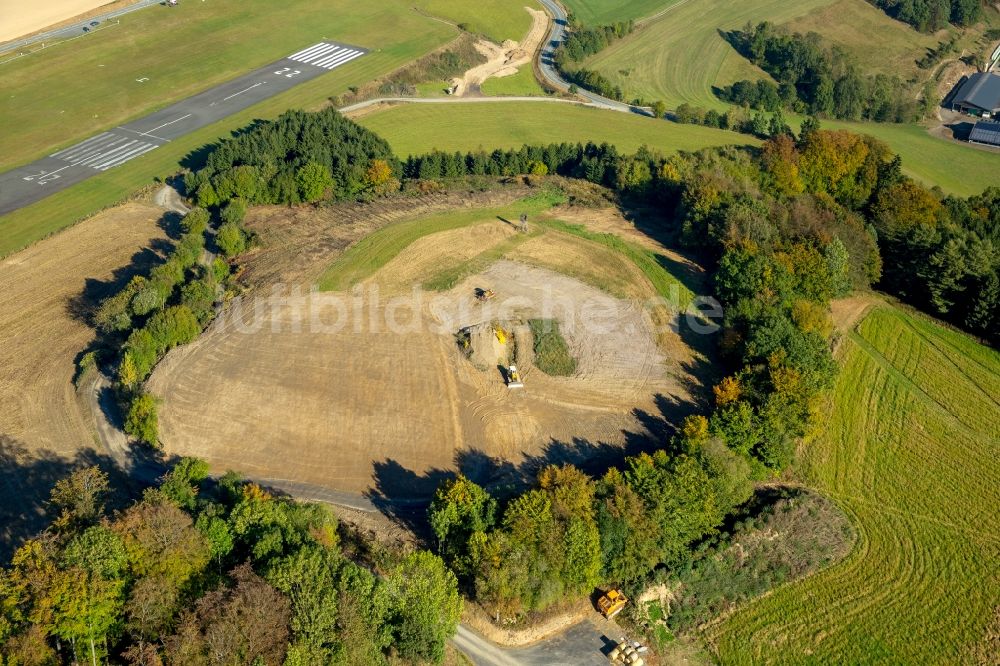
column 44, row 428
column 502, row 59
column 369, row 389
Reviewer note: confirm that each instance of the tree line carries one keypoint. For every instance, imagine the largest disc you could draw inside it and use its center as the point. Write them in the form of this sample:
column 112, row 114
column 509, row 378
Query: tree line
column 932, row 15
column 584, row 42
column 154, row 313
column 816, row 79
column 204, row 573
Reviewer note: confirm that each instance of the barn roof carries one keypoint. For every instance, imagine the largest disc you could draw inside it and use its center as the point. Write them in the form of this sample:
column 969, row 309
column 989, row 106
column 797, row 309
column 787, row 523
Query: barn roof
column 981, row 90
column 985, row 132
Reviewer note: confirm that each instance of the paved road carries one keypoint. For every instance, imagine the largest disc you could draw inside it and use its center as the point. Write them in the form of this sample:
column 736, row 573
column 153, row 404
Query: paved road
column 77, row 29
column 584, row 644
column 34, row 182
column 546, row 64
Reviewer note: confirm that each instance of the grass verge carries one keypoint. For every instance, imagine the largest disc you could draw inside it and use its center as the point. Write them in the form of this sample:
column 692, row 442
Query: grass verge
column 910, row 453
column 414, row 129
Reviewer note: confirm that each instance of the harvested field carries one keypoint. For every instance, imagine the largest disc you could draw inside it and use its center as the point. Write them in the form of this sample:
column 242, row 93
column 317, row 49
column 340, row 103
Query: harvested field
column 372, row 392
column 910, row 454
column 18, row 20
column 42, row 425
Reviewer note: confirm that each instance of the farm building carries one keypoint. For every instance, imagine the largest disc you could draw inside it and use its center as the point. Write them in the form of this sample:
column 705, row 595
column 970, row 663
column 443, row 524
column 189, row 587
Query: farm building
column 979, row 95
column 986, row 133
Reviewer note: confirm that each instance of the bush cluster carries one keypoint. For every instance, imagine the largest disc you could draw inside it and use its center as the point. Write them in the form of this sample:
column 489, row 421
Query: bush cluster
column 155, row 313
column 582, row 43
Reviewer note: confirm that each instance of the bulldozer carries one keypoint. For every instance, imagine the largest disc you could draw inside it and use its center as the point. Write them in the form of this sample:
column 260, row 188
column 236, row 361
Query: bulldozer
column 611, row 603
column 483, row 295
column 514, row 378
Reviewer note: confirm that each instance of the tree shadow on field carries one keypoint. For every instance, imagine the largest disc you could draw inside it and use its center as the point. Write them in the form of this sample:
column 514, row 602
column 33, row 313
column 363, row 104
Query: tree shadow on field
column 26, row 480
column 403, row 495
column 197, row 158
column 83, row 306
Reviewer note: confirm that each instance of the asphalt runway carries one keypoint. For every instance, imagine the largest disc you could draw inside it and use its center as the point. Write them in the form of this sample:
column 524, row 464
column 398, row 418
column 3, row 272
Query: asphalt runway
column 32, row 183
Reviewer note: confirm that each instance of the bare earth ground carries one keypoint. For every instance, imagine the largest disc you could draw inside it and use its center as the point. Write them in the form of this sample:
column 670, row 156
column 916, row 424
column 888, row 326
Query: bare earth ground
column 17, row 20
column 42, row 426
column 503, row 59
column 362, row 409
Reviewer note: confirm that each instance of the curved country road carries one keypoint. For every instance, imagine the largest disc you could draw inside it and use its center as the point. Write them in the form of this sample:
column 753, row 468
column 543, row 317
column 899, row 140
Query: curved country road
column 547, row 68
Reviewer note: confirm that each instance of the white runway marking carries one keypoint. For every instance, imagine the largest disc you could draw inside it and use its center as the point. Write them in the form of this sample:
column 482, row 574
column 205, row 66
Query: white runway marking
column 239, row 93
column 325, row 55
column 150, row 132
column 104, row 151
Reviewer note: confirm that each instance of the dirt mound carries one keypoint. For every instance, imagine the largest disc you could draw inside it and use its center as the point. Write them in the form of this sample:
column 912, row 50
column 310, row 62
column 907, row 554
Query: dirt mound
column 483, row 347
column 502, row 59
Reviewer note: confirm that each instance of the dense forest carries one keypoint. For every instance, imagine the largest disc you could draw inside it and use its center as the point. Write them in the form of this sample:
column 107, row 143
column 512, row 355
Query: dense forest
column 932, row 15
column 817, row 79
column 298, row 157
column 202, row 573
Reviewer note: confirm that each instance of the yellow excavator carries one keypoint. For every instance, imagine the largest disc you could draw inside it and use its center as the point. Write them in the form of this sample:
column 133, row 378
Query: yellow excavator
column 611, row 603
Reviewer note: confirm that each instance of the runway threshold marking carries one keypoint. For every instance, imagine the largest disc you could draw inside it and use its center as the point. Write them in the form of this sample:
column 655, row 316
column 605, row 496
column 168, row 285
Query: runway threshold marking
column 325, row 55
column 104, row 151
column 20, row 187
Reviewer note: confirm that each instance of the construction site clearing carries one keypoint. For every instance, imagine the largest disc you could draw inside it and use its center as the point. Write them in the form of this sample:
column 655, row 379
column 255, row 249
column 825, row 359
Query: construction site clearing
column 364, row 409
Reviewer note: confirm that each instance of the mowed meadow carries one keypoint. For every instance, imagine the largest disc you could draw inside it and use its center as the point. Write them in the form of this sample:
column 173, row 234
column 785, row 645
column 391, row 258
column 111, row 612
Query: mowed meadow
column 683, row 54
column 911, row 454
column 597, row 12
column 412, row 129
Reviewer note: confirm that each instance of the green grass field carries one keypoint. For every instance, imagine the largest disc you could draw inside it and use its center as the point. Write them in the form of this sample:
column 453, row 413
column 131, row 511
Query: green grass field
column 414, row 129
column 857, row 25
column 599, row 12
column 957, row 168
column 912, row 454
column 519, row 85
column 72, row 91
column 681, row 55
column 496, row 19
column 367, row 256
